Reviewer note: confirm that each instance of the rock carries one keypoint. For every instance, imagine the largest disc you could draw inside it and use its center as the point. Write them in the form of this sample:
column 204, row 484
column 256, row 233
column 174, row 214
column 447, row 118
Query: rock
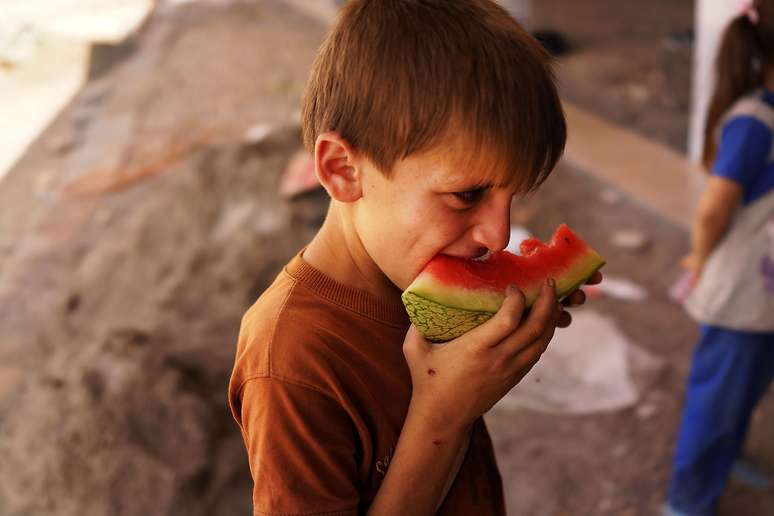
column 10, row 379
column 638, row 93
column 134, row 339
column 621, row 288
column 679, row 40
column 619, row 451
column 604, row 505
column 257, row 133
column 610, row 196
column 121, row 305
column 630, row 240
column 63, row 143
column 129, row 387
column 646, row 411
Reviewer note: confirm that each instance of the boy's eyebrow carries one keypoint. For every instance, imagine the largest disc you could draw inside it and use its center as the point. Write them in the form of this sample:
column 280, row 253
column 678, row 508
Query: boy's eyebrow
column 485, row 185
column 464, row 185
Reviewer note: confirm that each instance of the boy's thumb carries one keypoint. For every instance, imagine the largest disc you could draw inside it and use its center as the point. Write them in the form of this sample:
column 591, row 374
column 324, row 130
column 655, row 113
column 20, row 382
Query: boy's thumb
column 415, row 343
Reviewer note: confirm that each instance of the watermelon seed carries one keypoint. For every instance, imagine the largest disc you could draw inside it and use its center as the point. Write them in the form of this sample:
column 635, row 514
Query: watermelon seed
column 567, row 240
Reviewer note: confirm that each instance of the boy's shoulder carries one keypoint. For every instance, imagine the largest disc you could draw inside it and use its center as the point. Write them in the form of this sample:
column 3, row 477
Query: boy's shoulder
column 283, row 332
column 309, row 330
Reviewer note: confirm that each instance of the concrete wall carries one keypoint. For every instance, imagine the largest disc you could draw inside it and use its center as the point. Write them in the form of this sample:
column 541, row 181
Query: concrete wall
column 712, row 16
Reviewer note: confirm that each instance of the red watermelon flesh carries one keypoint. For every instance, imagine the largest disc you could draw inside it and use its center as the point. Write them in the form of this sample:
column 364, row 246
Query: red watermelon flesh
column 452, row 293
column 530, row 245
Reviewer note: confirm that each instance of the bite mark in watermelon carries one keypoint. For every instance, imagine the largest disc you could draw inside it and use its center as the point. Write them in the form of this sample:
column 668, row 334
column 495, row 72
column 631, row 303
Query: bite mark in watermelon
column 454, row 295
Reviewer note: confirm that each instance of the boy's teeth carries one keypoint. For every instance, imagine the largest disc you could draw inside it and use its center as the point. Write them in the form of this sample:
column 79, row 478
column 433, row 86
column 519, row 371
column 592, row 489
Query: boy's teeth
column 484, row 257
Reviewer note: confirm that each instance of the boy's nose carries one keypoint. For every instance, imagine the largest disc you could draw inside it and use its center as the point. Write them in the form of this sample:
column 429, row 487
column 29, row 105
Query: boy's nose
column 494, row 228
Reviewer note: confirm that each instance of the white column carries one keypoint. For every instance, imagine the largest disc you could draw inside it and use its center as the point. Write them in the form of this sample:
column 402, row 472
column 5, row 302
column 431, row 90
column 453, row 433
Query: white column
column 711, row 19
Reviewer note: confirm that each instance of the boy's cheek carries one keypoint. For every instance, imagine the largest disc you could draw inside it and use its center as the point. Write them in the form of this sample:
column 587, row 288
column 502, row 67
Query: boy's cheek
column 405, row 238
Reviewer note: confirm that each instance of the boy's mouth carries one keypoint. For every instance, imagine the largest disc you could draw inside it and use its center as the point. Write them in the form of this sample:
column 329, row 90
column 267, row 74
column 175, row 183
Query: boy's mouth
column 480, row 255
column 484, row 257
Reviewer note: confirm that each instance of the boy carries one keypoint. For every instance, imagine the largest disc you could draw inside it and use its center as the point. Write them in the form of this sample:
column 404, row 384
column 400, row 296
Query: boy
column 425, row 118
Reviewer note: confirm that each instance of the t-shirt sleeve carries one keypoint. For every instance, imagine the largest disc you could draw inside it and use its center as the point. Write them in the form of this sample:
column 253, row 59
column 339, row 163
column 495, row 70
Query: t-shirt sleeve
column 301, row 445
column 745, row 145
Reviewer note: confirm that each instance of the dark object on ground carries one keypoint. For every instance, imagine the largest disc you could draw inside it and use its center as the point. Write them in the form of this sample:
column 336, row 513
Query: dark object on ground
column 681, row 39
column 555, row 42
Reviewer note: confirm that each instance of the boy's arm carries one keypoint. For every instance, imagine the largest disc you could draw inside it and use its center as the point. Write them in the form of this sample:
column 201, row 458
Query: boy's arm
column 425, row 464
column 453, row 385
column 301, row 449
column 301, row 454
column 456, row 465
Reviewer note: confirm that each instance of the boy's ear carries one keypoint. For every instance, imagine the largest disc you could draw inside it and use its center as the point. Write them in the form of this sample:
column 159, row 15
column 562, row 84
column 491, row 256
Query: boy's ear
column 337, row 167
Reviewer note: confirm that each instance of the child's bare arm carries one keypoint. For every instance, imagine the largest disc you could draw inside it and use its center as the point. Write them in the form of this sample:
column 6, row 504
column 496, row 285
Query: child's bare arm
column 713, row 216
column 452, row 386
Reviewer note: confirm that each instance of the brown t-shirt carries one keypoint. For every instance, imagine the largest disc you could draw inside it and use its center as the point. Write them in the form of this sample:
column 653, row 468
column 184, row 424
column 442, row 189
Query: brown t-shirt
column 320, row 389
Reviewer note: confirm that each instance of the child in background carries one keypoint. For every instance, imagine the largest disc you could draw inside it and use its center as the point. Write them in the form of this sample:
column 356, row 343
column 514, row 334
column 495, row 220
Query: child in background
column 425, row 118
column 733, row 362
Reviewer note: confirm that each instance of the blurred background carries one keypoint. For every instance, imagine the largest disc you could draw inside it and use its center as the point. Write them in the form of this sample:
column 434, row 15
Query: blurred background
column 152, row 184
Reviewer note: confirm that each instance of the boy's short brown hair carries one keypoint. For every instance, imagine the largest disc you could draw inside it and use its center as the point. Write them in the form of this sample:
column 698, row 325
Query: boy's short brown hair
column 395, row 77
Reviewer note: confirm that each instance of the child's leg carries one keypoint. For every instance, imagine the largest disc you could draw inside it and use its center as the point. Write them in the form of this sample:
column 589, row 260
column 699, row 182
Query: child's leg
column 730, row 373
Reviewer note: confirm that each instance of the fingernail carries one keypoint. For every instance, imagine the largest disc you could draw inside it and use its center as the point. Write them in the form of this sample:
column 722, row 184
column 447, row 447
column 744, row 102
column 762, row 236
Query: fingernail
column 551, row 283
column 510, row 290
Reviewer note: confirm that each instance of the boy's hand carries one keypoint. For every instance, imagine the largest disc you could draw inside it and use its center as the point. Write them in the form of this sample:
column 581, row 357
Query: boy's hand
column 576, row 298
column 456, row 382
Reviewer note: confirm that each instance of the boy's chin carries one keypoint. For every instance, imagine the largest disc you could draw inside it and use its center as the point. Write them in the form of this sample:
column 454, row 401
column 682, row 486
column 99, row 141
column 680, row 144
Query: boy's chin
column 401, row 284
column 403, row 281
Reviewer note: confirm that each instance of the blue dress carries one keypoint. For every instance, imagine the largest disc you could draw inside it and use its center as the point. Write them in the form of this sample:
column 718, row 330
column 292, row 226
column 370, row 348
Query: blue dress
column 731, row 370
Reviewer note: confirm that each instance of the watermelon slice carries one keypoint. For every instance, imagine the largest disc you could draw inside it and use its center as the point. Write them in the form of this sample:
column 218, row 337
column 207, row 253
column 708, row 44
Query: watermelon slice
column 453, row 295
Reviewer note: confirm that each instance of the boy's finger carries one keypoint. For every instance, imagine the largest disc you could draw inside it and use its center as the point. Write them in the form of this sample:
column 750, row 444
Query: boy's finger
column 503, row 323
column 565, row 319
column 550, row 329
column 577, row 298
column 595, row 279
column 527, row 356
column 544, row 314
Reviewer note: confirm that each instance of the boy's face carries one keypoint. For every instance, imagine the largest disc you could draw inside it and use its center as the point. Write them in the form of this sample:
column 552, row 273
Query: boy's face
column 430, row 205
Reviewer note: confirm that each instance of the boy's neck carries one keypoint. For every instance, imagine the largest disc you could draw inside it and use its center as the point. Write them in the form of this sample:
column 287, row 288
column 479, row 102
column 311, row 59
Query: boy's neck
column 337, row 251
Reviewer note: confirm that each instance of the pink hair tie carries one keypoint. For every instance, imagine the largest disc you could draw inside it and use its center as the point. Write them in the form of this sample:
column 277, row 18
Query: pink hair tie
column 751, row 12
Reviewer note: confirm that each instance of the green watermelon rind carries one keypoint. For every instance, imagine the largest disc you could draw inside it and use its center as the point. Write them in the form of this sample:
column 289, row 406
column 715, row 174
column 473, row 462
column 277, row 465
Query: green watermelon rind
column 563, row 292
column 457, row 321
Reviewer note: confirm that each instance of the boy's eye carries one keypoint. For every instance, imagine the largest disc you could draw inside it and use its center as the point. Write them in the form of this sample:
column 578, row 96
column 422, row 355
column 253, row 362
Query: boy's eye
column 470, row 196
